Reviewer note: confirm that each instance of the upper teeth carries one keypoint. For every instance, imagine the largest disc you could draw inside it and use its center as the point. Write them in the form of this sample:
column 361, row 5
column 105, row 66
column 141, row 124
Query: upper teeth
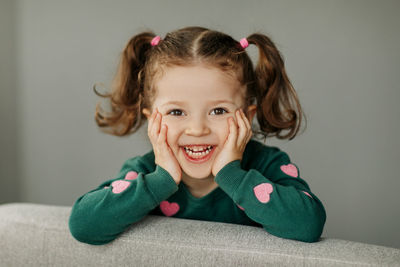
column 197, row 148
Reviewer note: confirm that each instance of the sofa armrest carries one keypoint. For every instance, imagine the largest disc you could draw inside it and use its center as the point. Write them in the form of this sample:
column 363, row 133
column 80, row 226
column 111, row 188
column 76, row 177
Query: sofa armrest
column 38, row 235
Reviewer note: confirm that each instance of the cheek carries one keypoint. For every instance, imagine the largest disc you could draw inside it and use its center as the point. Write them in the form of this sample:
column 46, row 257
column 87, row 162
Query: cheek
column 173, row 131
column 221, row 129
column 170, row 122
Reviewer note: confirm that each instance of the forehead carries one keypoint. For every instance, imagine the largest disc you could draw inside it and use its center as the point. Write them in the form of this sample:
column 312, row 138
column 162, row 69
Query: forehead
column 197, row 83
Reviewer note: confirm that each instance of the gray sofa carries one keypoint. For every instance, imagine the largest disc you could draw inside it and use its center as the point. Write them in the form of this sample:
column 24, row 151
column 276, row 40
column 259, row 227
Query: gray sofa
column 38, row 235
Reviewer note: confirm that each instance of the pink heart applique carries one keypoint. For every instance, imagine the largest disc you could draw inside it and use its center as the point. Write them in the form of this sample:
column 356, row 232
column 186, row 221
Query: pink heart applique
column 132, row 175
column 119, row 186
column 169, row 209
column 262, row 192
column 290, row 170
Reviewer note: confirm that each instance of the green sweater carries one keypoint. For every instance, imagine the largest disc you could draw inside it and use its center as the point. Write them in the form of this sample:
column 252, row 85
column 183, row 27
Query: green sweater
column 264, row 189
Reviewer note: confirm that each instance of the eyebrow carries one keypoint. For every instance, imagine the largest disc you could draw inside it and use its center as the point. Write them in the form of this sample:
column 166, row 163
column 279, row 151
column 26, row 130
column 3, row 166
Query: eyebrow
column 181, row 103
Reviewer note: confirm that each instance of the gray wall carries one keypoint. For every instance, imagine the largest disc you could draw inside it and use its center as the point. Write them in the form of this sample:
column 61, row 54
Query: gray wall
column 9, row 172
column 342, row 57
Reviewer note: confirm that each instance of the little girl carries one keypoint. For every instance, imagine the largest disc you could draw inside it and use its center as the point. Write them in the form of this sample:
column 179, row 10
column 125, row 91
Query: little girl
column 199, row 92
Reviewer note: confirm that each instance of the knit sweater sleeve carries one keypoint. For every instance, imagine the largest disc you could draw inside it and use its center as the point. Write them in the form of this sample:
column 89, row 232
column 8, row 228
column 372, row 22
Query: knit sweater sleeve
column 272, row 193
column 100, row 215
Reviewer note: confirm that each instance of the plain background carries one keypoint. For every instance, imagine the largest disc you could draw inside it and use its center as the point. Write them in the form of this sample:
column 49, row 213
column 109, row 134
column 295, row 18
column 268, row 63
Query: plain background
column 341, row 56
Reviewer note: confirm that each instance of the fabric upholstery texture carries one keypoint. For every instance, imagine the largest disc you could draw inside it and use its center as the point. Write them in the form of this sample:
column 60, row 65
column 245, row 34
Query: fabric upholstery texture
column 38, row 235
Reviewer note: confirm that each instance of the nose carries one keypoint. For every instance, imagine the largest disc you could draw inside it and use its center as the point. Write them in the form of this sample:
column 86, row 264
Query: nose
column 197, row 127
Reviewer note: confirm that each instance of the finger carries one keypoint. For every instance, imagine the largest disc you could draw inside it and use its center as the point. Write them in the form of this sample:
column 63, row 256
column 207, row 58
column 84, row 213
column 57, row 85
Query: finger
column 151, row 125
column 242, row 128
column 249, row 133
column 232, row 137
column 151, row 121
column 156, row 126
column 246, row 120
column 162, row 137
column 249, row 136
column 163, row 140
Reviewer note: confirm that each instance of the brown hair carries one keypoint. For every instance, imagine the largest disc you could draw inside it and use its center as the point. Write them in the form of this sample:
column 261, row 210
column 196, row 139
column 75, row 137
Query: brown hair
column 268, row 86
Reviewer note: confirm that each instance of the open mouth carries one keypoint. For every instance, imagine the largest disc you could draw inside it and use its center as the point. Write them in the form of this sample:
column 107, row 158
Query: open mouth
column 198, row 153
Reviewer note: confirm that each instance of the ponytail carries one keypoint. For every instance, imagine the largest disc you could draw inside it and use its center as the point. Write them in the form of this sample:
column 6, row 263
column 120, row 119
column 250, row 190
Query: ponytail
column 126, row 96
column 278, row 106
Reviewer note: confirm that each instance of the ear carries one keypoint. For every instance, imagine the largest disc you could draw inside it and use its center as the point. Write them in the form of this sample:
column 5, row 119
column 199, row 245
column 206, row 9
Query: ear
column 251, row 111
column 146, row 112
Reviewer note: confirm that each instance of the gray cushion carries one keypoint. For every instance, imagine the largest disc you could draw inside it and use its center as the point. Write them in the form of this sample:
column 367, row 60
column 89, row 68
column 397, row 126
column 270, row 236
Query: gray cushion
column 38, row 235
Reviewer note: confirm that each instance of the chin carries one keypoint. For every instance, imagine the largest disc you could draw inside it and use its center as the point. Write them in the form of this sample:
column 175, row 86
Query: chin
column 199, row 173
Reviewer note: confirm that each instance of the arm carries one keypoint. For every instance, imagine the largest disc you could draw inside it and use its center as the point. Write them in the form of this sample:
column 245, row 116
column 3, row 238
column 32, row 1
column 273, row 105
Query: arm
column 275, row 196
column 100, row 215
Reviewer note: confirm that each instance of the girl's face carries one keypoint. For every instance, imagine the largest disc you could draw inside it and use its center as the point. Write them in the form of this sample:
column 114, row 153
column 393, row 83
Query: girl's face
column 195, row 103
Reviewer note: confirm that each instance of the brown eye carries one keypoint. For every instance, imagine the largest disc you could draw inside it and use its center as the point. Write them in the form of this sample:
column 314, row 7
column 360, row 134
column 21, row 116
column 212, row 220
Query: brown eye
column 218, row 111
column 175, row 112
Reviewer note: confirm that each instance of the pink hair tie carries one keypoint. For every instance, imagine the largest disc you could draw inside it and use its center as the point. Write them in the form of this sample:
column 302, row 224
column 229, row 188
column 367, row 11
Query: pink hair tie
column 244, row 43
column 155, row 40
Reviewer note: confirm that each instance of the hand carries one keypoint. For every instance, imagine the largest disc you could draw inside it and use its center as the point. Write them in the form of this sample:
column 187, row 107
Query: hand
column 235, row 144
column 164, row 157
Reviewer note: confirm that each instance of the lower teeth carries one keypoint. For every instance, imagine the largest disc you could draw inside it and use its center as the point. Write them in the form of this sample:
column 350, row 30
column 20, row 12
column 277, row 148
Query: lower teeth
column 198, row 154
